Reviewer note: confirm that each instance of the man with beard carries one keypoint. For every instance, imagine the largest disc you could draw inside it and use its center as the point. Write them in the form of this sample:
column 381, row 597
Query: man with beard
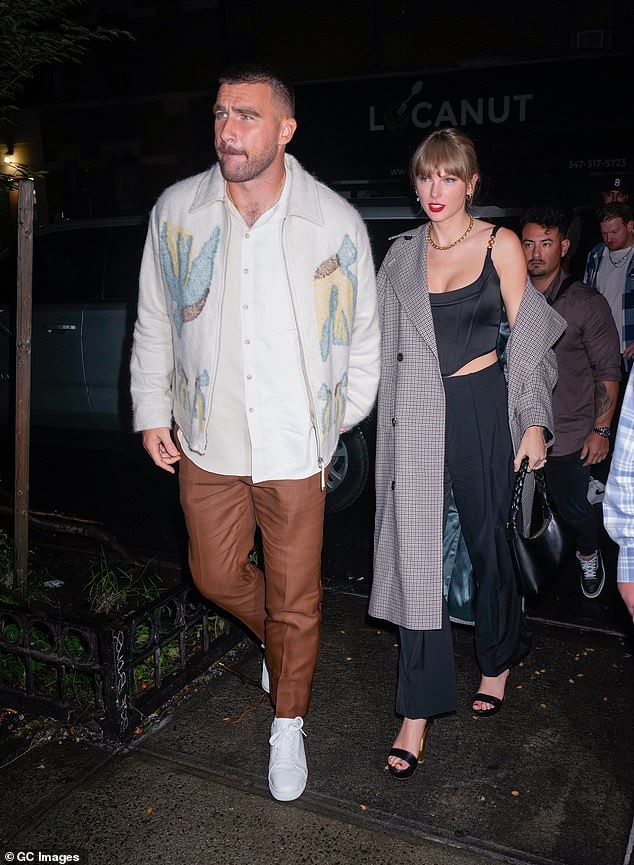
column 610, row 269
column 583, row 231
column 256, row 343
column 586, row 392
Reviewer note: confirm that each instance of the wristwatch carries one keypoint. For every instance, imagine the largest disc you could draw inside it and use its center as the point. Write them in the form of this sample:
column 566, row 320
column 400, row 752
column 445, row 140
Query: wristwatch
column 603, row 431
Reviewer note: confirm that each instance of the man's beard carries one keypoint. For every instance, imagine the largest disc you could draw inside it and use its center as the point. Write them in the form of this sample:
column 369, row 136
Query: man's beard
column 247, row 169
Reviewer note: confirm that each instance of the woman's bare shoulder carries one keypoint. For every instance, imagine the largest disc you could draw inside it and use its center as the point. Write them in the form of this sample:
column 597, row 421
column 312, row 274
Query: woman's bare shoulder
column 507, row 235
column 506, row 242
column 481, row 225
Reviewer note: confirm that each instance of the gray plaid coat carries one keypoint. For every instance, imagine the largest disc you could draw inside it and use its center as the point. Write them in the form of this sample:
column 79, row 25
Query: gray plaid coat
column 407, row 580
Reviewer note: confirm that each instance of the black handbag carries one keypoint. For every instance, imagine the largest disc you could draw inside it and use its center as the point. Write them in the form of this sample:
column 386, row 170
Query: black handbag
column 540, row 557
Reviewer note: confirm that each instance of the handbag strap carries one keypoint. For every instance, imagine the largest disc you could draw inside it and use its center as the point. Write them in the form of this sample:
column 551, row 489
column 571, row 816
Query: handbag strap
column 540, row 485
column 518, row 487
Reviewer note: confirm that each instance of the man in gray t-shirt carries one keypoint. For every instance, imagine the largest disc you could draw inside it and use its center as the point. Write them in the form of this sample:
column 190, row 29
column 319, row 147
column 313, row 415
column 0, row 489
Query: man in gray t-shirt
column 610, row 269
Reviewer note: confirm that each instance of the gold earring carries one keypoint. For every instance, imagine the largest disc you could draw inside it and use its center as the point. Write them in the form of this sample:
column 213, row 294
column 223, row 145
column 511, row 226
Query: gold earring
column 468, row 198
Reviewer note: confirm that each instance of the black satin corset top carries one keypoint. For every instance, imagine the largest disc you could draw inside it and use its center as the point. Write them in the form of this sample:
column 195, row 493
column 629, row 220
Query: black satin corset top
column 467, row 320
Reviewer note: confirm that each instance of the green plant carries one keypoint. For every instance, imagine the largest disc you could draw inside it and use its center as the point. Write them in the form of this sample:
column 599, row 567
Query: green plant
column 141, row 636
column 170, row 660
column 75, row 645
column 12, row 671
column 79, row 685
column 9, row 630
column 111, row 588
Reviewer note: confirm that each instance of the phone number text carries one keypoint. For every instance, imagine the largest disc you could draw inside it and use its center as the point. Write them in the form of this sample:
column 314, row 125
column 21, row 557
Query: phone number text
column 597, row 163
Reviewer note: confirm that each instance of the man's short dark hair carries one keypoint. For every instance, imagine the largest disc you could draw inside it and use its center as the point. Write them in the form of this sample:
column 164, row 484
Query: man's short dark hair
column 547, row 216
column 616, row 210
column 261, row 73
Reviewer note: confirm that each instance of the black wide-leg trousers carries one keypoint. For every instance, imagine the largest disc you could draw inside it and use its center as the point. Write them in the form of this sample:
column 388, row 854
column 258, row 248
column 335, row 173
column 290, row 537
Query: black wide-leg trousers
column 567, row 480
column 479, row 471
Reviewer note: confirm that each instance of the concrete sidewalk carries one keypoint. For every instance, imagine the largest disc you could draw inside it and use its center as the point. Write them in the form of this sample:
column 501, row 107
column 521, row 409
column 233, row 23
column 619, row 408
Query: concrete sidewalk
column 547, row 781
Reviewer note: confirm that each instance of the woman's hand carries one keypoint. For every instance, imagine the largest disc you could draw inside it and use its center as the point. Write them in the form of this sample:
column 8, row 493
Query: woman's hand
column 532, row 446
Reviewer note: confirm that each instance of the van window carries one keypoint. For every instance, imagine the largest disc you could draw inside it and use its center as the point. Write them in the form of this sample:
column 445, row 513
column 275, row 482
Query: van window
column 123, row 262
column 68, row 265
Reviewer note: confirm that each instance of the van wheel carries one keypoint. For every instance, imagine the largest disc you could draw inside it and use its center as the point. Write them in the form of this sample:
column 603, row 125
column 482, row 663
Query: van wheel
column 349, row 469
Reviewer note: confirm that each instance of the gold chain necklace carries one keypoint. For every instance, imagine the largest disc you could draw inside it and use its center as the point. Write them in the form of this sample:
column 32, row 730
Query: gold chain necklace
column 456, row 242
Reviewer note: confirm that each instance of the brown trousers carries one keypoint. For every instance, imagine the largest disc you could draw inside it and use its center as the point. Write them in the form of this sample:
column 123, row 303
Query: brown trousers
column 282, row 609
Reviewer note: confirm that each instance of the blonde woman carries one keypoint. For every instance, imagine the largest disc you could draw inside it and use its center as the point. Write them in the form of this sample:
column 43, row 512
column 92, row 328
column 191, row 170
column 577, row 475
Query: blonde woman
column 448, row 421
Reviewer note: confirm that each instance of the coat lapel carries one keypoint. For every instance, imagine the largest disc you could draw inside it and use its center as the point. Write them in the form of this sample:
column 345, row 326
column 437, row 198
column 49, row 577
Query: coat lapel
column 408, row 276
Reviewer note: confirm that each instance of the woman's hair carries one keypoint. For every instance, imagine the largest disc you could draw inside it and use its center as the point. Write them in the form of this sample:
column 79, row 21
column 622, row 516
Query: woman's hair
column 450, row 150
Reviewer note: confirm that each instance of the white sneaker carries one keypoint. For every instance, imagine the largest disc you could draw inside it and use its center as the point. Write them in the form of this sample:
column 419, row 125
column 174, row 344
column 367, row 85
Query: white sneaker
column 266, row 685
column 288, row 772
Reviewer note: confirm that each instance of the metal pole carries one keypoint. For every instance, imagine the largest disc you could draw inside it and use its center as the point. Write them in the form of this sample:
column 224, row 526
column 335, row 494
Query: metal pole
column 23, row 388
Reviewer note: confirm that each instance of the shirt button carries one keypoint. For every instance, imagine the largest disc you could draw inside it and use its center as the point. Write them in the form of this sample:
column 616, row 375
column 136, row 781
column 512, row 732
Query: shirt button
column 247, row 235
column 247, row 342
column 249, row 377
column 251, row 410
column 246, row 270
column 393, row 421
column 399, row 356
column 393, row 484
column 245, row 306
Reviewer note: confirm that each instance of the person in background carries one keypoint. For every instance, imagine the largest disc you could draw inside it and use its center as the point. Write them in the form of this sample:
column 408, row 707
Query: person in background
column 615, row 191
column 586, row 393
column 583, row 231
column 447, row 422
column 257, row 335
column 618, row 501
column 610, row 269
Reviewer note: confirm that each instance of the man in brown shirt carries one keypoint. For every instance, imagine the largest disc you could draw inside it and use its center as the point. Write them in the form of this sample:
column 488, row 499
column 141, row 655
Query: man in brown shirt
column 585, row 396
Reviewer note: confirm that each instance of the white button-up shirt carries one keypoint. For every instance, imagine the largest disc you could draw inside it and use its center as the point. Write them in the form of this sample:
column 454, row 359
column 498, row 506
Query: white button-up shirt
column 260, row 422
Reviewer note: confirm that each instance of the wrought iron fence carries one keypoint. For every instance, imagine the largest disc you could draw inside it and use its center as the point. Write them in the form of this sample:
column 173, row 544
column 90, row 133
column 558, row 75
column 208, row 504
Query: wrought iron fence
column 114, row 672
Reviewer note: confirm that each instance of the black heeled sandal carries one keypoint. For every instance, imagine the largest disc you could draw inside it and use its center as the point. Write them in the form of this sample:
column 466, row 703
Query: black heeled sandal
column 409, row 758
column 496, row 704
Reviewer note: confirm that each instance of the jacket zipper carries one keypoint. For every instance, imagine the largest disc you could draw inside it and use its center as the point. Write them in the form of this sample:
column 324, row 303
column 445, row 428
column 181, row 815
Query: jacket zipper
column 302, row 355
column 212, row 384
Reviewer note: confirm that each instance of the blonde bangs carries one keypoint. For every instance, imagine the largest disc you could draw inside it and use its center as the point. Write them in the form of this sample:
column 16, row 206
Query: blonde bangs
column 448, row 150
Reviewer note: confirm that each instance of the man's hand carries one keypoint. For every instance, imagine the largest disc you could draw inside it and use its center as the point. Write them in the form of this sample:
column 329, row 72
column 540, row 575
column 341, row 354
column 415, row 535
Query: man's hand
column 627, row 593
column 158, row 443
column 532, row 446
column 629, row 350
column 595, row 449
